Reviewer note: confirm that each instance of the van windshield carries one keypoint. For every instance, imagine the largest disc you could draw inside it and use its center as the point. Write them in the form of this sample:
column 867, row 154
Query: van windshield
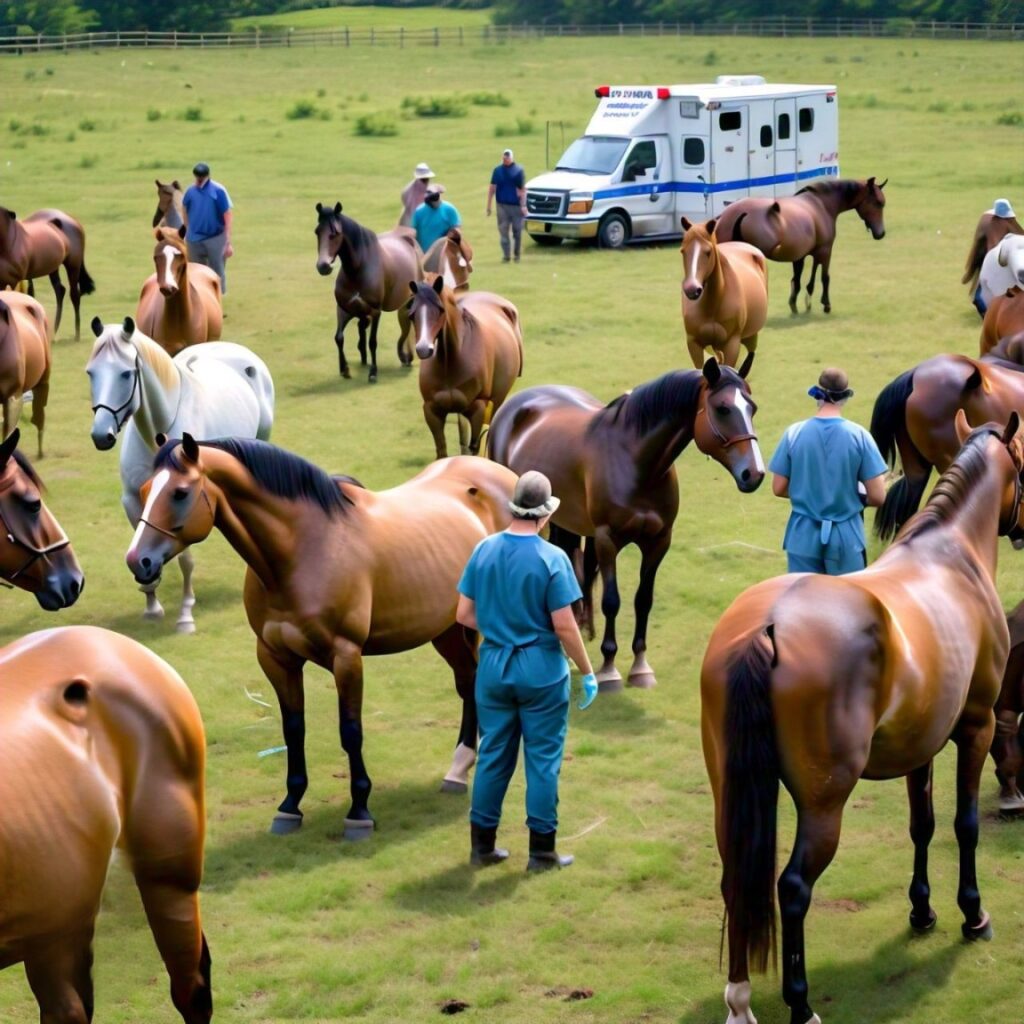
column 593, row 154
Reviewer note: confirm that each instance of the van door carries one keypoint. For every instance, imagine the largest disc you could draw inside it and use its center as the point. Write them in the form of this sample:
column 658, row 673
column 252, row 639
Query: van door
column 645, row 181
column 729, row 164
column 785, row 147
column 762, row 150
column 693, row 195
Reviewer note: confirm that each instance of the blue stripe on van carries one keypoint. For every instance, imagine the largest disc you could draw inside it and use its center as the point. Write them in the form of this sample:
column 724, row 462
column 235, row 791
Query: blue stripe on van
column 720, row 186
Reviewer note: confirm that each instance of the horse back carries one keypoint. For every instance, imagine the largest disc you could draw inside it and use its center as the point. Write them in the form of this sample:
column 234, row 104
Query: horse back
column 401, row 261
column 1003, row 318
column 25, row 344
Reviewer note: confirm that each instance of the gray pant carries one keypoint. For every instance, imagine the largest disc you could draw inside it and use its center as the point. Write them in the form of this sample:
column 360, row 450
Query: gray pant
column 210, row 252
column 510, row 216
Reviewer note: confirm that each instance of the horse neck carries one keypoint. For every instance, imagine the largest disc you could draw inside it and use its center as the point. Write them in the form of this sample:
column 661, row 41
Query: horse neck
column 450, row 340
column 354, row 242
column 160, row 386
column 844, row 195
column 662, row 443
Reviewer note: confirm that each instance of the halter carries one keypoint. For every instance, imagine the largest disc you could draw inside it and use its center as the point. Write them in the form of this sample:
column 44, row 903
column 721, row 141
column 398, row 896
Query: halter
column 1018, row 494
column 34, row 552
column 116, row 413
column 725, row 442
column 171, row 533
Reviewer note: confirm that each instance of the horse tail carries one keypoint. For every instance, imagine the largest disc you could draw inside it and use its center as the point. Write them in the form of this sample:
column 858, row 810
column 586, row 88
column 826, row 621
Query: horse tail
column 750, row 798
column 86, row 285
column 737, row 229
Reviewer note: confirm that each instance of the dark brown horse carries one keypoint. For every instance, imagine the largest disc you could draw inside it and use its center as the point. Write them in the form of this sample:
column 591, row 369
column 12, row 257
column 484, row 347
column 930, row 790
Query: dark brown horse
column 374, row 279
column 1008, row 744
column 819, row 681
column 991, row 230
column 613, row 469
column 1003, row 318
column 790, row 230
column 36, row 247
column 170, row 210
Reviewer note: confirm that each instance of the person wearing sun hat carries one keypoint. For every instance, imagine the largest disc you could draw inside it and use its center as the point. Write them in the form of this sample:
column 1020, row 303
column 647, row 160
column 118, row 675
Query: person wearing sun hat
column 415, row 193
column 829, row 469
column 518, row 590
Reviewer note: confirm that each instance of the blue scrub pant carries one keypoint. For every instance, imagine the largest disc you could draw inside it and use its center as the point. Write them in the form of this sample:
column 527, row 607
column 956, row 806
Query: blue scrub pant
column 851, row 561
column 508, row 712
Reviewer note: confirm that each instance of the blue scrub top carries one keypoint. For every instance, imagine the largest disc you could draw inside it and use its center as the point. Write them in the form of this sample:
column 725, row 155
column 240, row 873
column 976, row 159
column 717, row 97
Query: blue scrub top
column 206, row 207
column 430, row 224
column 517, row 581
column 824, row 458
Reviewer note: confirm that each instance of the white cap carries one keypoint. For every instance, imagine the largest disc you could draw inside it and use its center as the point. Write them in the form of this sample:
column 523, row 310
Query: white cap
column 423, row 171
column 1002, row 208
column 509, row 154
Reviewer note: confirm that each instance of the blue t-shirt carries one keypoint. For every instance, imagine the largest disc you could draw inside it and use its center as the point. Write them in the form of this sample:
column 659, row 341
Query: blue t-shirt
column 206, row 207
column 507, row 180
column 430, row 224
column 517, row 581
column 824, row 458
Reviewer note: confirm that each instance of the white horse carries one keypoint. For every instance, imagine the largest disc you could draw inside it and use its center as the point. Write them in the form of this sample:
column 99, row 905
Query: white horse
column 1002, row 268
column 213, row 390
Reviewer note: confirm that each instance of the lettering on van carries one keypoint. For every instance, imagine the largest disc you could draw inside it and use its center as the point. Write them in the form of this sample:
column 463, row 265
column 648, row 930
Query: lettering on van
column 828, row 158
column 631, row 94
column 623, row 110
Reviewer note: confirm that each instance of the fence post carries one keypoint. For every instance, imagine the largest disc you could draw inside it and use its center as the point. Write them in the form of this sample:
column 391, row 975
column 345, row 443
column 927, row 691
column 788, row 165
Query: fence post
column 401, row 38
column 348, row 42
column 437, row 37
column 372, row 35
column 620, row 28
column 460, row 35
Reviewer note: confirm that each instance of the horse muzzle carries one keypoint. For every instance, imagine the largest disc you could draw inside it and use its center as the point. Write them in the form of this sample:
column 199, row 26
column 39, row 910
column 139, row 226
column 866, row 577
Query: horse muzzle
column 877, row 233
column 748, row 480
column 424, row 349
column 167, row 290
column 62, row 589
column 323, row 268
column 104, row 440
column 692, row 291
column 145, row 568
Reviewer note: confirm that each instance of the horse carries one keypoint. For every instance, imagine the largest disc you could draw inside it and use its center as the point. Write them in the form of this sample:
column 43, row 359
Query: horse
column 35, row 553
column 989, row 232
column 136, row 386
column 612, row 466
column 170, row 211
column 106, row 751
column 335, row 572
column 1003, row 318
column 818, row 681
column 180, row 304
column 451, row 256
column 471, row 352
column 25, row 360
column 374, row 276
column 789, row 230
column 1008, row 744
column 38, row 246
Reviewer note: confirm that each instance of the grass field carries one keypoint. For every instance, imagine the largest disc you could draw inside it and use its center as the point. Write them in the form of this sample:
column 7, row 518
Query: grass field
column 312, row 929
column 365, row 17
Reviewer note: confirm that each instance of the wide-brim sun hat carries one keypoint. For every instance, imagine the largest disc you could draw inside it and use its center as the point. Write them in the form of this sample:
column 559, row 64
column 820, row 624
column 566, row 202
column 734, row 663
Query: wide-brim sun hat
column 532, row 498
column 423, row 171
column 833, row 386
column 1002, row 208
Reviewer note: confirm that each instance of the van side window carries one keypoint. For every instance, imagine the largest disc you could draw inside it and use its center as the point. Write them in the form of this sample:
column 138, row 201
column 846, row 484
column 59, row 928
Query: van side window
column 766, row 136
column 806, row 119
column 642, row 159
column 730, row 121
column 693, row 152
column 783, row 126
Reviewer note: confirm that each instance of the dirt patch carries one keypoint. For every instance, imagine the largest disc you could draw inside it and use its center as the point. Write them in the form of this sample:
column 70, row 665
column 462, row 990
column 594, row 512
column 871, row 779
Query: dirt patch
column 840, row 906
column 453, row 1006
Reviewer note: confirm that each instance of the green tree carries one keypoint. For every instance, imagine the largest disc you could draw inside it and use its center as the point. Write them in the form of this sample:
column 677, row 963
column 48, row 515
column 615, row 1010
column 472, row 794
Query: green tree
column 46, row 16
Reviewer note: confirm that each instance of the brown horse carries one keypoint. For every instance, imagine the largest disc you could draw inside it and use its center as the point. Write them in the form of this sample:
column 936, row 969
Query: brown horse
column 105, row 749
column 818, row 681
column 725, row 294
column 170, row 211
column 790, row 230
column 991, row 230
column 451, row 256
column 471, row 352
column 25, row 359
column 374, row 279
column 1008, row 745
column 1003, row 318
column 37, row 247
column 35, row 553
column 180, row 304
column 613, row 469
column 336, row 572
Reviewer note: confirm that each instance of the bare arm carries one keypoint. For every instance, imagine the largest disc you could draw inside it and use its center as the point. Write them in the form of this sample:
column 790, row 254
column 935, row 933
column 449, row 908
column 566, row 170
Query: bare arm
column 229, row 249
column 465, row 614
column 876, row 490
column 491, row 189
column 780, row 485
column 569, row 633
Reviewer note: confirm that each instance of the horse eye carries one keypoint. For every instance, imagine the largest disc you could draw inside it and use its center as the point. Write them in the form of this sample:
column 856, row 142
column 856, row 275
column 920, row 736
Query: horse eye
column 33, row 505
column 126, row 374
column 180, row 493
column 722, row 410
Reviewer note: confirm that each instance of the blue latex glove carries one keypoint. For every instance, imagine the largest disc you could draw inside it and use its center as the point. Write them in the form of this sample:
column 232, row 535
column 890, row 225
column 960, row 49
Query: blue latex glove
column 589, row 683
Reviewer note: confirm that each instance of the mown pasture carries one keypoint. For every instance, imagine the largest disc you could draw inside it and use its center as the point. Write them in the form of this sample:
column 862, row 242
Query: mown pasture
column 311, row 928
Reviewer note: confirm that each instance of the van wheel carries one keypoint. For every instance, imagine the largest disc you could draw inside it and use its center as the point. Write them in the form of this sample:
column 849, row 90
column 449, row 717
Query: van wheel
column 548, row 241
column 613, row 232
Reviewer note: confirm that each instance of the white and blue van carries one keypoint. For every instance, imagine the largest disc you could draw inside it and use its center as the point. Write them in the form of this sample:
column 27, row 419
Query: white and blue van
column 653, row 154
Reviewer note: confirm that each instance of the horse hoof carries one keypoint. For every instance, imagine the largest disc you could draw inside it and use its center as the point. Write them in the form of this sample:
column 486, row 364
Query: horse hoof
column 356, row 829
column 451, row 786
column 828, row 309
column 346, row 373
column 923, row 927
column 981, row 931
column 185, row 627
column 153, row 616
column 373, row 378
column 642, row 680
column 609, row 681
column 284, row 824
column 1011, row 806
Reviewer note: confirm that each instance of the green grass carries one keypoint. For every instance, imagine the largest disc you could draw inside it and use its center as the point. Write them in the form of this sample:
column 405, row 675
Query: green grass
column 369, row 17
column 309, row 928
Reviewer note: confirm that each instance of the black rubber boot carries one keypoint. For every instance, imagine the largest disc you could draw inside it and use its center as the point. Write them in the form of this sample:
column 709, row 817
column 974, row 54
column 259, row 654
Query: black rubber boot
column 543, row 856
column 483, row 852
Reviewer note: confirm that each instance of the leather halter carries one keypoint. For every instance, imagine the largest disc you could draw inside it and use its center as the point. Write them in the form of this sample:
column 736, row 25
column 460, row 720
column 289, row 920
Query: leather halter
column 34, row 552
column 725, row 442
column 1018, row 494
column 172, row 533
column 116, row 413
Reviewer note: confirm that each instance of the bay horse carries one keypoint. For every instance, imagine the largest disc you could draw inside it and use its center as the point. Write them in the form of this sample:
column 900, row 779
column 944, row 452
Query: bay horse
column 25, row 360
column 1008, row 744
column 373, row 279
column 219, row 389
column 451, row 256
column 335, row 573
column 990, row 231
column 612, row 466
column 106, row 751
column 37, row 247
column 725, row 294
column 170, row 210
column 180, row 304
column 1004, row 317
column 818, row 681
column 791, row 229
column 35, row 553
column 471, row 352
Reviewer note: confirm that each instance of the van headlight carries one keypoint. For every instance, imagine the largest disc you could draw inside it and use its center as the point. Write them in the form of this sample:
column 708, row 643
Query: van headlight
column 581, row 202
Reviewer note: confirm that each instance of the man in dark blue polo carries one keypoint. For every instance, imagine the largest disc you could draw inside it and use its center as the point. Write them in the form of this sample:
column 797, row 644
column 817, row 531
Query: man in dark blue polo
column 508, row 186
column 209, row 223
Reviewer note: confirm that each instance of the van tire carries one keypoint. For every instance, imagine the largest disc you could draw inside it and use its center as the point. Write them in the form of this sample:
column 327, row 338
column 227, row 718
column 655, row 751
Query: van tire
column 548, row 241
column 613, row 232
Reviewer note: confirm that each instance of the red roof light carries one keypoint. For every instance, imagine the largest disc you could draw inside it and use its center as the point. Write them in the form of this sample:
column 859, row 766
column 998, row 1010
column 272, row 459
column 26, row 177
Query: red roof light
column 602, row 90
column 663, row 92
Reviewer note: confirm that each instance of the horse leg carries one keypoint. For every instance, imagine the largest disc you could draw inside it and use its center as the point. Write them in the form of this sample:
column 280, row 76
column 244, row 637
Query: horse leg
column 922, row 828
column 339, row 340
column 457, row 645
column 569, row 542
column 696, row 350
column 404, row 327
column 12, row 413
column 641, row 674
column 731, row 351
column 362, row 340
column 348, row 678
column 186, row 623
column 810, row 284
column 60, row 976
column 436, row 418
column 374, row 325
column 794, row 285
column 59, row 290
column 40, row 396
column 589, row 575
column 1009, row 758
column 463, row 431
column 608, row 678
column 476, row 414
column 825, row 259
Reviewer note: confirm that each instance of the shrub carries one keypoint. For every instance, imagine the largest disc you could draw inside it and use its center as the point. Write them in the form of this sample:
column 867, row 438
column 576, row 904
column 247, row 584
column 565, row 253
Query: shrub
column 488, row 99
column 376, row 125
column 153, row 114
column 301, row 110
column 710, row 59
column 48, row 72
column 321, row 93
column 938, row 108
column 30, row 74
column 87, row 161
column 14, row 124
column 86, row 125
column 192, row 114
column 435, row 106
column 1013, row 118
column 523, row 126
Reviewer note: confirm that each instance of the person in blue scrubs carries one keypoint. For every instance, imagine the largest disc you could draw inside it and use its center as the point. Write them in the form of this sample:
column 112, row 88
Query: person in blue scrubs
column 518, row 590
column 829, row 469
column 434, row 218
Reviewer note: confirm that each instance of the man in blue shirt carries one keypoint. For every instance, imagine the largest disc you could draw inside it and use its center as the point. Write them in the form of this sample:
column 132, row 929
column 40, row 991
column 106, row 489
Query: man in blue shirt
column 518, row 590
column 508, row 184
column 823, row 465
column 209, row 222
column 434, row 218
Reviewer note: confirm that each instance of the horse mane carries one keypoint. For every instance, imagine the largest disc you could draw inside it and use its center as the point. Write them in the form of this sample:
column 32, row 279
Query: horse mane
column 26, row 467
column 848, row 186
column 652, row 403
column 152, row 354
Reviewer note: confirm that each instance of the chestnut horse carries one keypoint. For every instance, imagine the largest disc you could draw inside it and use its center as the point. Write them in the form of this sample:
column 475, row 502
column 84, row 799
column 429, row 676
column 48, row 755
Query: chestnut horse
column 25, row 338
column 105, row 750
column 789, row 230
column 818, row 681
column 451, row 256
column 725, row 294
column 374, row 279
column 170, row 210
column 1003, row 318
column 180, row 304
column 613, row 469
column 991, row 230
column 36, row 247
column 1008, row 745
column 336, row 572
column 35, row 553
column 471, row 352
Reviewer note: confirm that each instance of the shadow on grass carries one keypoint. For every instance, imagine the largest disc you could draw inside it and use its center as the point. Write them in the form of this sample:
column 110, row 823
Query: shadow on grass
column 210, row 595
column 460, row 890
column 333, row 383
column 618, row 715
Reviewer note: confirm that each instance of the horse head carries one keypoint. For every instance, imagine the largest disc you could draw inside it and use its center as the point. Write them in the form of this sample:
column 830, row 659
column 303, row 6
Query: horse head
column 699, row 250
column 870, row 206
column 1011, row 441
column 35, row 553
column 1011, row 254
column 168, row 204
column 329, row 236
column 114, row 383
column 171, row 259
column 428, row 312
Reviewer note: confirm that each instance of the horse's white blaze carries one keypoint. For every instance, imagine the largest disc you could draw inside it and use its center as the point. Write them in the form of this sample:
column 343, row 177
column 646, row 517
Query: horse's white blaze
column 462, row 261
column 747, row 414
column 168, row 253
column 159, row 483
column 423, row 335
column 693, row 263
column 449, row 276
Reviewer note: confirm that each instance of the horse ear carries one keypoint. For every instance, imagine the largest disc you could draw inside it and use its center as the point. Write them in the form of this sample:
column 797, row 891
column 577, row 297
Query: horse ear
column 871, row 183
column 189, row 447
column 439, row 284
column 712, row 371
column 337, row 209
column 1012, row 426
column 128, row 327
column 963, row 428
column 97, row 326
column 686, row 224
column 158, row 184
column 974, row 381
column 7, row 448
column 412, row 287
column 747, row 363
column 161, row 440
column 710, row 226
column 176, row 184
column 182, row 230
column 319, row 207
column 1003, row 255
column 884, row 183
column 775, row 208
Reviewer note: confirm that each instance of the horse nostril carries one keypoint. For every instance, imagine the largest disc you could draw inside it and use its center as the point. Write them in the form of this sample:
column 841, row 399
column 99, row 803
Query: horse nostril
column 145, row 563
column 745, row 475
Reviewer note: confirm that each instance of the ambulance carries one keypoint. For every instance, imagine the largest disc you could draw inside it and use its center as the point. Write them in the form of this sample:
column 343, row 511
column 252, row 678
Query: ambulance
column 654, row 154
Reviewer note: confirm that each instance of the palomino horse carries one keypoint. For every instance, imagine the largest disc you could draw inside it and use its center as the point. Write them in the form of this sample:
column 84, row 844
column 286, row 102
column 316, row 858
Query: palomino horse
column 106, row 750
column 612, row 467
column 181, row 303
column 451, row 256
column 913, row 419
column 35, row 553
column 471, row 352
column 725, row 294
column 25, row 338
column 1008, row 745
column 991, row 230
column 790, row 230
column 220, row 389
column 818, row 681
column 170, row 211
column 336, row 572
column 37, row 247
column 374, row 279
column 1003, row 318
